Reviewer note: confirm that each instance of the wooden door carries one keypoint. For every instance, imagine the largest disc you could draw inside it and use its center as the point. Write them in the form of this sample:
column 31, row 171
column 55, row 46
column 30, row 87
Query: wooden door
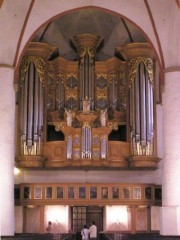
column 95, row 213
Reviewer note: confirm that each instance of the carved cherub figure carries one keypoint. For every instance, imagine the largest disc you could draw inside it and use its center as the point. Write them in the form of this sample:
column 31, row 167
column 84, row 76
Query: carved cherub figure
column 69, row 117
column 103, row 117
column 86, row 105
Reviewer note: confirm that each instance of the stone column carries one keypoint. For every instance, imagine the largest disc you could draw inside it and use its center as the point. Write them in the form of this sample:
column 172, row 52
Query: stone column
column 7, row 128
column 170, row 211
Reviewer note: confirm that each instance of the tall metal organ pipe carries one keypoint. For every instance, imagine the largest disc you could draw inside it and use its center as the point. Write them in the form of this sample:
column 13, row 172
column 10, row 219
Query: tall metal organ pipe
column 141, row 111
column 143, row 105
column 32, row 98
column 87, row 45
column 36, row 106
column 30, row 104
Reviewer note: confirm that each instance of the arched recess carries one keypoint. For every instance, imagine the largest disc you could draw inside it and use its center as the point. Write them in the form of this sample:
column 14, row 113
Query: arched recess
column 101, row 6
column 141, row 137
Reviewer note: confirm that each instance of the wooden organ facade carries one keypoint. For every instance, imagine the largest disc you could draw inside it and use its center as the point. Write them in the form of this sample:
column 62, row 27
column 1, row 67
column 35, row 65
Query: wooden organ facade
column 87, row 113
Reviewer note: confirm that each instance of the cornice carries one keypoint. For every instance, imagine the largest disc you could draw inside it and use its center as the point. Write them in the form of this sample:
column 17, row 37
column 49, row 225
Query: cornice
column 7, row 66
column 172, row 69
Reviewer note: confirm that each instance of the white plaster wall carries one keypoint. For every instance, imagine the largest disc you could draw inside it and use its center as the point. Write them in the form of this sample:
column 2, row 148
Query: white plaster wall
column 33, row 220
column 88, row 176
column 171, row 129
column 12, row 16
column 18, row 219
column 169, row 214
column 59, row 216
column 117, row 218
column 155, row 218
column 168, row 221
column 7, row 119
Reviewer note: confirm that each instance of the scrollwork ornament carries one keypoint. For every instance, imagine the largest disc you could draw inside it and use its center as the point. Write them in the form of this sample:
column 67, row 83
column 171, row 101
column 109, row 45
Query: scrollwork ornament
column 133, row 65
column 99, row 75
column 113, row 125
column 58, row 125
column 113, row 76
column 82, row 54
column 72, row 75
column 122, row 75
column 51, row 75
column 39, row 65
column 60, row 77
column 89, row 51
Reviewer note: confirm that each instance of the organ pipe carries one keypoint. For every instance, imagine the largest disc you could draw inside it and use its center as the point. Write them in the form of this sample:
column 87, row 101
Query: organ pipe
column 104, row 147
column 86, row 141
column 24, row 105
column 69, row 147
column 30, row 105
column 136, row 109
column 151, row 99
column 32, row 98
column 141, row 106
column 86, row 73
column 86, row 45
column 36, row 107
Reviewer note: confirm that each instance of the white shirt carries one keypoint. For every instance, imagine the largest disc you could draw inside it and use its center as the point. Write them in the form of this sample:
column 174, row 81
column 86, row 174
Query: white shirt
column 85, row 233
column 93, row 231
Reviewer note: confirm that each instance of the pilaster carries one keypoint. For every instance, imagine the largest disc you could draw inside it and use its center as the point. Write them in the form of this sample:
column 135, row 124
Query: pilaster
column 170, row 222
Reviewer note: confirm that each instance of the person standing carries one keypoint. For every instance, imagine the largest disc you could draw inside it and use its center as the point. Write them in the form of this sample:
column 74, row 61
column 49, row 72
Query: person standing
column 85, row 233
column 93, row 231
column 49, row 227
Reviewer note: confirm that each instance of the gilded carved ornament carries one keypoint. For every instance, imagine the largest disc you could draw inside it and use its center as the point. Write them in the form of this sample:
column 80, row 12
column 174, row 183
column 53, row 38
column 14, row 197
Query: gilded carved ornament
column 113, row 125
column 101, row 94
column 58, row 125
column 86, row 50
column 72, row 75
column 39, row 64
column 121, row 75
column 51, row 75
column 51, row 88
column 99, row 75
column 133, row 67
column 86, row 124
column 113, row 76
column 51, row 91
column 104, row 136
column 71, row 95
column 60, row 76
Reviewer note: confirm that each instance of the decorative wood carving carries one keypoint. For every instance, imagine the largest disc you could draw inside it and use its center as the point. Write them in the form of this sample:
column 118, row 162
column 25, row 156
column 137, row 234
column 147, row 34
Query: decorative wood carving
column 87, row 100
column 127, row 194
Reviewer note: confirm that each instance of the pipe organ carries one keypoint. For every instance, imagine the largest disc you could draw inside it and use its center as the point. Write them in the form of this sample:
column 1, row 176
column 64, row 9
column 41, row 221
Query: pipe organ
column 87, row 46
column 86, row 140
column 85, row 103
column 141, row 95
column 32, row 105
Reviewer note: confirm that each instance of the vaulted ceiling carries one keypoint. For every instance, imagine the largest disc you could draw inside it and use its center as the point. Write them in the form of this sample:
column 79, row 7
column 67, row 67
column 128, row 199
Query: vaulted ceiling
column 115, row 30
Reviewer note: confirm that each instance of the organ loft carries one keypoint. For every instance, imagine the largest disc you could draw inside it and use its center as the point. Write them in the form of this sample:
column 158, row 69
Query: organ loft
column 85, row 112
